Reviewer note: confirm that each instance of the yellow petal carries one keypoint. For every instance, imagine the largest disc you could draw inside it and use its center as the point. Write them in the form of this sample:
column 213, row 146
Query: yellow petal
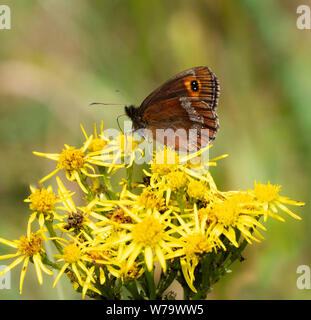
column 186, row 268
column 161, row 258
column 285, row 209
column 85, row 135
column 38, row 269
column 41, row 220
column 9, row 243
column 8, row 256
column 44, row 268
column 23, row 273
column 49, row 175
column 76, row 272
column 12, row 265
column 149, row 258
column 102, row 276
column 62, row 270
column 77, row 178
column 135, row 252
column 230, row 234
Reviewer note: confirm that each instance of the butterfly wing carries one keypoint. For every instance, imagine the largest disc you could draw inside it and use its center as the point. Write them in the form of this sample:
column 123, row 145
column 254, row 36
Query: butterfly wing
column 185, row 102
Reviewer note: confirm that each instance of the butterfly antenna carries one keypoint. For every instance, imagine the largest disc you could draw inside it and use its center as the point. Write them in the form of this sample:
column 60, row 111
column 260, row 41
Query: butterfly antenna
column 106, row 104
column 111, row 104
column 119, row 122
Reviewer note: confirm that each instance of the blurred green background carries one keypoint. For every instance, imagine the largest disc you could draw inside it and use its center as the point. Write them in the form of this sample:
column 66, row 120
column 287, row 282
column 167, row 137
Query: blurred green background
column 61, row 55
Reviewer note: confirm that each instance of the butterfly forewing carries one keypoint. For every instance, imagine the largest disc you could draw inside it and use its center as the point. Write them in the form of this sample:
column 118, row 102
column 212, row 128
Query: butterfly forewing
column 180, row 86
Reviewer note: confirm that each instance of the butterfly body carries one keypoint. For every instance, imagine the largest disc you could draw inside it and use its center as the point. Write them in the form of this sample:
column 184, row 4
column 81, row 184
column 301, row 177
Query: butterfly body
column 186, row 102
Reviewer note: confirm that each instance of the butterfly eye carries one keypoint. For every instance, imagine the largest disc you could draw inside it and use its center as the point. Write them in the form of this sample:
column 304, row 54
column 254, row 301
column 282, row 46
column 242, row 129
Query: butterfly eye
column 194, row 85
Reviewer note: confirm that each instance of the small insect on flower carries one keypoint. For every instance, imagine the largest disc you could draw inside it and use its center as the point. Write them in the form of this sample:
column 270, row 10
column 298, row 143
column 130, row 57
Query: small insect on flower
column 77, row 217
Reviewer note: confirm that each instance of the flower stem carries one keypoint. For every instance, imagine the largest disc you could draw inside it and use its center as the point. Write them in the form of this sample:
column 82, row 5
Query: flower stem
column 132, row 288
column 151, row 284
column 49, row 226
column 180, row 202
column 129, row 177
column 166, row 280
column 48, row 262
column 107, row 184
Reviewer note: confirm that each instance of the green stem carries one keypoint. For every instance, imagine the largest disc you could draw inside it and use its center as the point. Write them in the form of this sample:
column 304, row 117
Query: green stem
column 86, row 186
column 49, row 226
column 107, row 288
column 237, row 253
column 132, row 288
column 129, row 177
column 180, row 202
column 151, row 285
column 107, row 184
column 165, row 281
column 48, row 262
column 205, row 285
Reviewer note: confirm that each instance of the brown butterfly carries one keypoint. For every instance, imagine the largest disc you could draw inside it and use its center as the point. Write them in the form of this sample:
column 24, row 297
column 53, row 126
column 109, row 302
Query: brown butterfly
column 183, row 107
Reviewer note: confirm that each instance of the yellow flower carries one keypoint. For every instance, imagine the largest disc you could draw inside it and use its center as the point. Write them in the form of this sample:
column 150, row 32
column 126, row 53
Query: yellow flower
column 167, row 164
column 121, row 151
column 149, row 199
column 268, row 196
column 193, row 242
column 101, row 259
column 75, row 162
column 177, row 218
column 165, row 161
column 75, row 257
column 119, row 269
column 28, row 247
column 176, row 180
column 99, row 141
column 147, row 234
column 197, row 190
column 42, row 202
column 71, row 159
column 235, row 212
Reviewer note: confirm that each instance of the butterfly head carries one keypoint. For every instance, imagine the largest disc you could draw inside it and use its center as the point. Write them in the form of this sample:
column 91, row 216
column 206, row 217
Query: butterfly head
column 133, row 113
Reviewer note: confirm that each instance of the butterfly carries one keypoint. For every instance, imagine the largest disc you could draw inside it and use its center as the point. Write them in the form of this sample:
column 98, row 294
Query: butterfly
column 182, row 112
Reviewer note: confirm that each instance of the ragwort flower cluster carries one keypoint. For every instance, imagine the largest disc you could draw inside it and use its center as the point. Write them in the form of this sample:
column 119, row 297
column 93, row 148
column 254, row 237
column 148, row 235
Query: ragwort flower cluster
column 109, row 239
